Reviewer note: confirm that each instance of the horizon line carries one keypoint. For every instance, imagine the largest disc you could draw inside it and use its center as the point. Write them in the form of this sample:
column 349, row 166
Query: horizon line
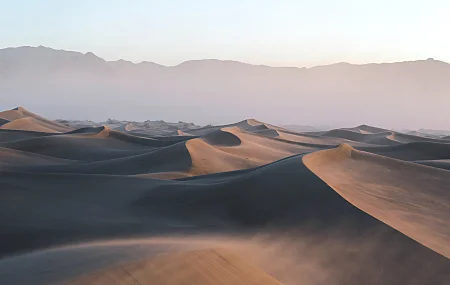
column 222, row 60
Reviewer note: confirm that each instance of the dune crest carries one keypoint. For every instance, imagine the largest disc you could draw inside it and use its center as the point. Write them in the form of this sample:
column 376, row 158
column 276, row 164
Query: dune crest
column 21, row 119
column 407, row 196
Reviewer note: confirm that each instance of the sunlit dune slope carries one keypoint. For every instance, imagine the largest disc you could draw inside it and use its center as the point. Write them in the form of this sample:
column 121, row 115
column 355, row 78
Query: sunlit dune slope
column 22, row 119
column 409, row 197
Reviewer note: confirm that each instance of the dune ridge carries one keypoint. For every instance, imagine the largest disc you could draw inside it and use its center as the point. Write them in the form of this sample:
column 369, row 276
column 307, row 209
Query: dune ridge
column 397, row 198
column 22, row 119
column 439, row 163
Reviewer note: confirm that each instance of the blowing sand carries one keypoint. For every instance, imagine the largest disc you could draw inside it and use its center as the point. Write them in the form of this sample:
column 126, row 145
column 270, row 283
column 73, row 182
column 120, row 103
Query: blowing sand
column 212, row 266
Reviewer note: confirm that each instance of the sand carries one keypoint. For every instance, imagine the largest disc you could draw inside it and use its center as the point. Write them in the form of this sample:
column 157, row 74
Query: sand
column 22, row 119
column 409, row 197
column 243, row 203
column 438, row 163
column 213, row 266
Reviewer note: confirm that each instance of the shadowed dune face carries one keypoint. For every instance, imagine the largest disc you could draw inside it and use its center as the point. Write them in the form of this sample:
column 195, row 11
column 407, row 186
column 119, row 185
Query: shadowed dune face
column 221, row 138
column 14, row 135
column 15, row 157
column 77, row 147
column 438, row 163
column 412, row 151
column 3, row 121
column 244, row 203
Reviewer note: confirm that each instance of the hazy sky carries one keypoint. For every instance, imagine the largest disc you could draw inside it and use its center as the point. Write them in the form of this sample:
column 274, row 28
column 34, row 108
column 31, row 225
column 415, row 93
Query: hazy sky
column 276, row 32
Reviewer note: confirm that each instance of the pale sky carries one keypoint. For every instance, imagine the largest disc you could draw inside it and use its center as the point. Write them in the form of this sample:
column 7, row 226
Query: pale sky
column 277, row 32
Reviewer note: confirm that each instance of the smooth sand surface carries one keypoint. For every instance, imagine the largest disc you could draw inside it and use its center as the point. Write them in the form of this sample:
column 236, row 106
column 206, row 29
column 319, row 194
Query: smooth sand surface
column 243, row 203
column 409, row 197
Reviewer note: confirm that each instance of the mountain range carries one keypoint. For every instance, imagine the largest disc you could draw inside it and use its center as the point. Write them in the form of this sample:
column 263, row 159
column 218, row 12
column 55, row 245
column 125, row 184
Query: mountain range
column 53, row 82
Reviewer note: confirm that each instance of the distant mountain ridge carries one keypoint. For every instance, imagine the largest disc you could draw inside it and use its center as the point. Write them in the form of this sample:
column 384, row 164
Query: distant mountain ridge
column 404, row 92
column 25, row 53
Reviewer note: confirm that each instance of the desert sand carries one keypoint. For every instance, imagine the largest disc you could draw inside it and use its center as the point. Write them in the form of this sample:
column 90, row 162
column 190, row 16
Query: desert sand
column 242, row 203
column 212, row 266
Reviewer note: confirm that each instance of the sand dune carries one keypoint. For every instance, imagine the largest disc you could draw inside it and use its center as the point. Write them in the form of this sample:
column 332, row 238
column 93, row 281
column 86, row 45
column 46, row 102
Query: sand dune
column 89, row 144
column 28, row 124
column 412, row 151
column 13, row 114
column 16, row 157
column 3, row 121
column 369, row 138
column 76, row 147
column 268, row 133
column 127, row 128
column 376, row 136
column 21, row 119
column 251, row 203
column 404, row 138
column 15, row 135
column 170, row 159
column 245, row 124
column 181, row 133
column 406, row 196
column 317, row 140
column 208, row 159
column 365, row 129
column 218, row 151
column 439, row 163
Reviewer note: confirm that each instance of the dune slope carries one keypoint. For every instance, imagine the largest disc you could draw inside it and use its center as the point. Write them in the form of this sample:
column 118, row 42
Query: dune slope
column 409, row 197
column 22, row 119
